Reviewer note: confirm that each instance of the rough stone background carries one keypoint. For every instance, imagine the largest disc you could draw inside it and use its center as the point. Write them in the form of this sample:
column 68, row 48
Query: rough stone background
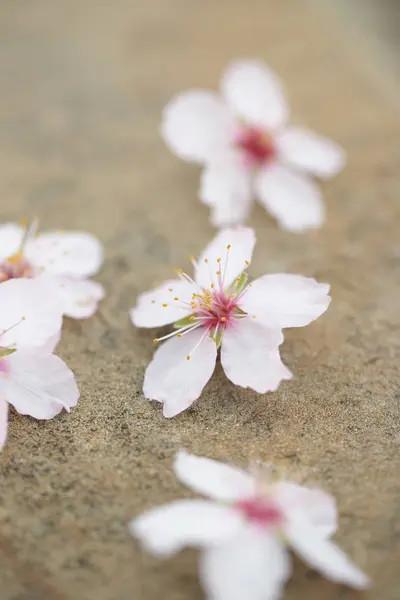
column 82, row 88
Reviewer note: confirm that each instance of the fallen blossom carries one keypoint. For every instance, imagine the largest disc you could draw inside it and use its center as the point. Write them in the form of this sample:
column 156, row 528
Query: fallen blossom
column 32, row 378
column 218, row 308
column 66, row 258
column 244, row 529
column 243, row 139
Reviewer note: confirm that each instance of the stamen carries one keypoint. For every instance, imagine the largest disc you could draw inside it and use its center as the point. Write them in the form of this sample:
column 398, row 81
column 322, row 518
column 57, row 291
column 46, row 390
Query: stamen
column 206, row 332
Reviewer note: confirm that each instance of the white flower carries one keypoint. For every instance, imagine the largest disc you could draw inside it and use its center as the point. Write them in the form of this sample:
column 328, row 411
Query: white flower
column 243, row 531
column 67, row 258
column 219, row 309
column 32, row 378
column 243, row 139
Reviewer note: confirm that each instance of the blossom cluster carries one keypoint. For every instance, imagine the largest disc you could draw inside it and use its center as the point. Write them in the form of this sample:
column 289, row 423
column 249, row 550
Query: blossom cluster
column 43, row 276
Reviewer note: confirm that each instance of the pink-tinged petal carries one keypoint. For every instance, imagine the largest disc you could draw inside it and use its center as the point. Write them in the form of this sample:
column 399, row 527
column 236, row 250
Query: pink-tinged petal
column 79, row 298
column 305, row 150
column 29, row 309
column 39, row 384
column 285, row 300
column 212, row 478
column 324, row 556
column 166, row 530
column 255, row 94
column 158, row 307
column 232, row 262
column 250, row 356
column 252, row 566
column 3, row 421
column 227, row 189
column 72, row 254
column 292, row 198
column 173, row 379
column 308, row 504
column 11, row 236
column 198, row 126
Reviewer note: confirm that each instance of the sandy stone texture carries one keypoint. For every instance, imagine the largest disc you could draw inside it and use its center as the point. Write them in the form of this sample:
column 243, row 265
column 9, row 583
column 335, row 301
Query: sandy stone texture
column 82, row 89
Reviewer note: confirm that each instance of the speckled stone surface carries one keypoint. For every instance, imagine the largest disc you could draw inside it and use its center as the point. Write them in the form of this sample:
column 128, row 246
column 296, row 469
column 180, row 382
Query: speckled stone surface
column 83, row 85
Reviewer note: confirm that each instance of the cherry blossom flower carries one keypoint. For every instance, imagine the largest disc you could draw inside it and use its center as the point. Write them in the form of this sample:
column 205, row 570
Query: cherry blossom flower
column 243, row 139
column 67, row 258
column 32, row 378
column 219, row 309
column 244, row 530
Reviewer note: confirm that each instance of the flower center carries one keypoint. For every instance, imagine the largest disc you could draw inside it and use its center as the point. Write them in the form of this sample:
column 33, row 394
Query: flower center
column 257, row 146
column 260, row 511
column 15, row 267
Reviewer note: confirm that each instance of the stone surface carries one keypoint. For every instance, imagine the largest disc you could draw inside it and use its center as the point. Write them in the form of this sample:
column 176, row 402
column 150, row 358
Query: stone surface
column 83, row 85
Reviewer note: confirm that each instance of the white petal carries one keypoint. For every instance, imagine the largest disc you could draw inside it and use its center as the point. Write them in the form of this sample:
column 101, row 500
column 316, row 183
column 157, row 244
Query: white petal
column 150, row 310
column 255, row 93
column 198, row 126
column 285, row 300
column 308, row 504
column 324, row 556
column 292, row 198
column 212, row 478
column 30, row 305
column 172, row 379
column 11, row 236
column 250, row 356
column 200, row 523
column 39, row 384
column 79, row 297
column 73, row 253
column 232, row 261
column 304, row 149
column 227, row 189
column 252, row 566
column 3, row 421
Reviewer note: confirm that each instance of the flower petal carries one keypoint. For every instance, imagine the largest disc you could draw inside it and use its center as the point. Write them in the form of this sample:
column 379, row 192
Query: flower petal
column 252, row 566
column 11, row 236
column 285, row 300
column 73, row 253
column 173, row 379
column 79, row 297
column 232, row 261
column 305, row 150
column 3, row 421
column 39, row 384
column 324, row 556
column 227, row 189
column 310, row 504
column 250, row 356
column 198, row 126
column 29, row 308
column 158, row 307
column 292, row 198
column 200, row 523
column 255, row 93
column 212, row 478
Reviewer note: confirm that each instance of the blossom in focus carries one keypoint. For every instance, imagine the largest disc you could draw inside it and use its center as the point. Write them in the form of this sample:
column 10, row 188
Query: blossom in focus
column 244, row 529
column 68, row 259
column 219, row 309
column 32, row 378
column 247, row 147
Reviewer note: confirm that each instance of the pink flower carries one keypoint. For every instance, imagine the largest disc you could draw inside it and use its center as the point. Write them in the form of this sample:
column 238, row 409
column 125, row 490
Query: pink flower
column 218, row 309
column 67, row 258
column 32, row 378
column 243, row 530
column 243, row 139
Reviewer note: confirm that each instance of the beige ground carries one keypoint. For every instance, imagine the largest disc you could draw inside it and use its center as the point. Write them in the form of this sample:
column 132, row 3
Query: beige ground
column 83, row 84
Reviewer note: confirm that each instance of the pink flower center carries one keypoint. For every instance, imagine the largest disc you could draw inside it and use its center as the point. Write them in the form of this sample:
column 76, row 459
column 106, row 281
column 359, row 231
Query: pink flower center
column 215, row 309
column 14, row 267
column 260, row 511
column 257, row 146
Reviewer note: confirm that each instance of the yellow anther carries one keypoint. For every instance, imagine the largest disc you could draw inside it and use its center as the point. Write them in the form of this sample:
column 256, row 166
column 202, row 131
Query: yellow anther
column 247, row 262
column 179, row 335
column 170, row 290
column 212, row 286
column 228, row 247
column 218, row 272
column 191, row 257
column 176, row 298
column 155, row 340
column 188, row 357
column 218, row 260
column 164, row 305
column 223, row 319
